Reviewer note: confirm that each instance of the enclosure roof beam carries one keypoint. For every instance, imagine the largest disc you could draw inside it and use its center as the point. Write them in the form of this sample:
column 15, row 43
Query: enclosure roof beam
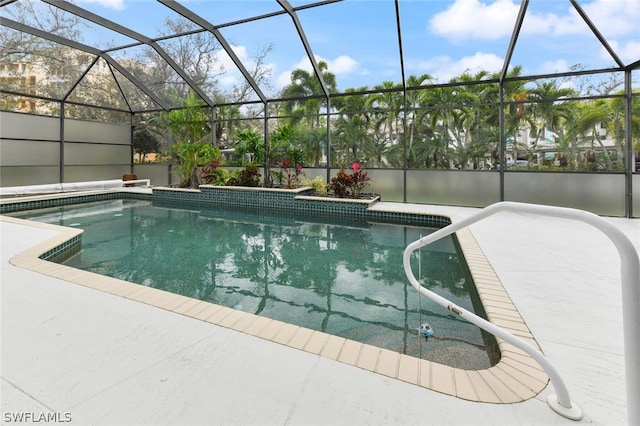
column 18, row 26
column 198, row 20
column 124, row 96
column 135, row 81
column 307, row 47
column 77, row 82
column 514, row 39
column 50, row 99
column 633, row 65
column 400, row 49
column 597, row 33
column 73, row 87
column 83, row 48
column 85, row 14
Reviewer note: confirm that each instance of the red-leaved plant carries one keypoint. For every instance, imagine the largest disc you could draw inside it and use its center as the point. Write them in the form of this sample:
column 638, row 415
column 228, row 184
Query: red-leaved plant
column 344, row 184
column 359, row 180
column 289, row 174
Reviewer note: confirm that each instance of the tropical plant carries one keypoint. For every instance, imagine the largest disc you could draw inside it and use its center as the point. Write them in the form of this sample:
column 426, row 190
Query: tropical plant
column 339, row 184
column 190, row 158
column 191, row 123
column 213, row 174
column 250, row 149
column 286, row 154
column 385, row 108
column 304, row 84
column 550, row 111
column 359, row 180
column 313, row 143
column 280, row 141
column 414, row 100
column 289, row 173
column 592, row 118
column 350, row 130
column 249, row 176
column 349, row 137
column 343, row 184
column 318, row 185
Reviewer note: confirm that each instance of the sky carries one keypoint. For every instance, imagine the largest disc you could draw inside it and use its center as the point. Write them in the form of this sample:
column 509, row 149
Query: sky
column 440, row 38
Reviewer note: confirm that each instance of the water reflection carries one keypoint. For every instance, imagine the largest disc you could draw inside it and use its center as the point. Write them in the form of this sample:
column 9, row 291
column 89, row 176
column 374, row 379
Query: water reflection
column 345, row 279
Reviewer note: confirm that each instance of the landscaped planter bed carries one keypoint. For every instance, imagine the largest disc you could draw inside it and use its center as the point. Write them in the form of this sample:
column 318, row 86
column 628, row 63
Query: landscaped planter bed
column 299, row 199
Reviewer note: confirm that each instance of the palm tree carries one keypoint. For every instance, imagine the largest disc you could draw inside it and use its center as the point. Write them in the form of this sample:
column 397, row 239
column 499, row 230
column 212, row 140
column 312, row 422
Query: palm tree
column 191, row 123
column 592, row 117
column 617, row 127
column 385, row 107
column 312, row 142
column 482, row 118
column 568, row 149
column 549, row 111
column 305, row 84
column 376, row 151
column 516, row 110
column 351, row 128
column 414, row 99
column 445, row 117
column 350, row 136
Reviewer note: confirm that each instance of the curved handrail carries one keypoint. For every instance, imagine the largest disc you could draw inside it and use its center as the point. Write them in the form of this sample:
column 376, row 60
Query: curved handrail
column 630, row 263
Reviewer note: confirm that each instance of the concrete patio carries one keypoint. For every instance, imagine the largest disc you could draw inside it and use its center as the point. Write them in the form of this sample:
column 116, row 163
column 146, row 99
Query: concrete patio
column 100, row 359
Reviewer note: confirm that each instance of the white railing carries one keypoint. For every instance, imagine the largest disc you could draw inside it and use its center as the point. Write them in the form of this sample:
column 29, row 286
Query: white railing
column 630, row 270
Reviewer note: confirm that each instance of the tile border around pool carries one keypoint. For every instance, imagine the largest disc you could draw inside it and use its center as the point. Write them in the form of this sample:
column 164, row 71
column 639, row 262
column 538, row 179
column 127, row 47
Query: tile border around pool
column 515, row 378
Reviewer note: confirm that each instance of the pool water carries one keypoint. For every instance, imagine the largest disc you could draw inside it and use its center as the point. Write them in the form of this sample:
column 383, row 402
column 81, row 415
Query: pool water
column 344, row 278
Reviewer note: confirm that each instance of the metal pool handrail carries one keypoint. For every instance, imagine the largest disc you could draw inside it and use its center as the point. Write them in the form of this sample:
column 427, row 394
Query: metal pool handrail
column 630, row 274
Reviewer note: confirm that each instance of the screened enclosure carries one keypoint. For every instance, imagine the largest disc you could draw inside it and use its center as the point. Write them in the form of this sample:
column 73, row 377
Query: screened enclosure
column 460, row 102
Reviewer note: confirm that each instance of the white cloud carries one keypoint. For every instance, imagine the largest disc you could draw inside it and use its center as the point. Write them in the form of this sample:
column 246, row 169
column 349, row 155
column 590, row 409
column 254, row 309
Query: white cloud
column 556, row 25
column 492, row 20
column 614, row 18
column 110, row 4
column 340, row 66
column 283, row 79
column 550, row 67
column 627, row 52
column 227, row 62
column 474, row 19
column 228, row 72
column 443, row 68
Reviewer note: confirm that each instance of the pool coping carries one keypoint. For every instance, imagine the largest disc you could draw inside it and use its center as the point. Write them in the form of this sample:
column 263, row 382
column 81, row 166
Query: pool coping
column 515, row 378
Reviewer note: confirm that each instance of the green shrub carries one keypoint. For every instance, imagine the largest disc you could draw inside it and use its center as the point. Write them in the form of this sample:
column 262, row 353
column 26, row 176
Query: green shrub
column 318, row 185
column 249, row 176
column 190, row 157
column 343, row 184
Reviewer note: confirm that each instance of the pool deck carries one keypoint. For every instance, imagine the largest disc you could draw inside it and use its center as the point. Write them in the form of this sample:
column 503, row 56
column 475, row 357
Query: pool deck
column 108, row 359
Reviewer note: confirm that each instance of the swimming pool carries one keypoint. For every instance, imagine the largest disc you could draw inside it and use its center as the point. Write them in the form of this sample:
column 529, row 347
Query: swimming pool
column 345, row 279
